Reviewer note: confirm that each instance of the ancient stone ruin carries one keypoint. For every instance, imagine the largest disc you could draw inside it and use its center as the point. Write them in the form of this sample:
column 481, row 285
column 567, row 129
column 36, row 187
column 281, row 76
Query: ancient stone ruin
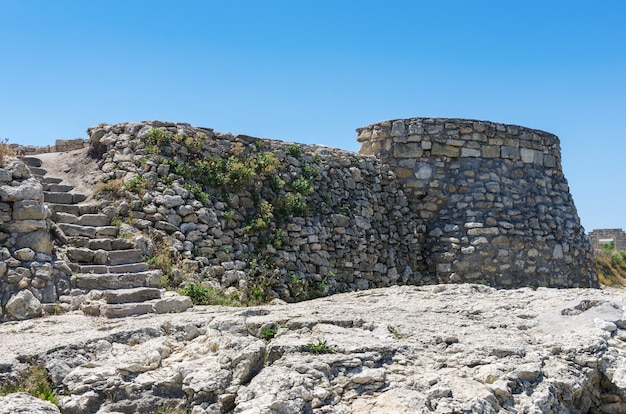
column 492, row 197
column 617, row 236
column 426, row 201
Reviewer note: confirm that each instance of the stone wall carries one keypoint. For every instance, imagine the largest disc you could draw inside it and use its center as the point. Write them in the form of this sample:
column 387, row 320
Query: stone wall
column 31, row 280
column 313, row 221
column 492, row 197
column 426, row 201
column 60, row 145
column 617, row 235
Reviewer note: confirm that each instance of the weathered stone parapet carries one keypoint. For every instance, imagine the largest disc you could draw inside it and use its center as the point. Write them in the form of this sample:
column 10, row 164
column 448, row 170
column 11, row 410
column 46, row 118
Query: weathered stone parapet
column 492, row 197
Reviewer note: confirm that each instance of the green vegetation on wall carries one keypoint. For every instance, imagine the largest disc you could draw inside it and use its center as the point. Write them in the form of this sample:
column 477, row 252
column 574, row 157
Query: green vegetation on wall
column 277, row 193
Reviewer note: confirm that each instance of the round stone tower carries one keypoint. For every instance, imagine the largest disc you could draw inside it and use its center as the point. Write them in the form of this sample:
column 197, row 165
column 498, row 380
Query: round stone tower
column 494, row 203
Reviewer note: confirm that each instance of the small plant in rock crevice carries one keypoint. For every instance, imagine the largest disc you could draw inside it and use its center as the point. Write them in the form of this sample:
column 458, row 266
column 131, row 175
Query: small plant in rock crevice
column 269, row 332
column 320, row 347
column 35, row 381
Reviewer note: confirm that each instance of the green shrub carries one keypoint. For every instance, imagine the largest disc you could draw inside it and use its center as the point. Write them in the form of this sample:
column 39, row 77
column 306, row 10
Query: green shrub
column 302, row 185
column 136, row 185
column 156, row 139
column 294, row 150
column 206, row 295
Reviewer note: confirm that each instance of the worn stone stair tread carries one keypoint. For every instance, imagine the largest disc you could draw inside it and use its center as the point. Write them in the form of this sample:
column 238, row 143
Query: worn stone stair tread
column 59, row 188
column 124, row 310
column 37, row 171
column 78, row 230
column 110, row 231
column 51, row 180
column 31, row 161
column 65, row 218
column 122, row 268
column 95, row 220
column 108, row 244
column 129, row 295
column 64, row 208
column 57, row 197
column 169, row 304
column 88, row 231
column 63, row 197
column 150, row 278
column 128, row 256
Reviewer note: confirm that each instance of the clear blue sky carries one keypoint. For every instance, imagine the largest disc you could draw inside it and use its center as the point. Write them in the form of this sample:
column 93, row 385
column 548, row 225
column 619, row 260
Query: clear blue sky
column 313, row 71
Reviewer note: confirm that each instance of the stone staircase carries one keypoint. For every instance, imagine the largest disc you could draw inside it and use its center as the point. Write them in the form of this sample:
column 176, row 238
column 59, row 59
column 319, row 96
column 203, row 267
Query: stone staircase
column 108, row 270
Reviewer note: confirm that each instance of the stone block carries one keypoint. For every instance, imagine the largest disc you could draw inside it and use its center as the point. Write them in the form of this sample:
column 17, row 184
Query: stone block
column 39, row 241
column 408, row 150
column 470, row 152
column 172, row 304
column 442, row 150
column 27, row 190
column 510, row 152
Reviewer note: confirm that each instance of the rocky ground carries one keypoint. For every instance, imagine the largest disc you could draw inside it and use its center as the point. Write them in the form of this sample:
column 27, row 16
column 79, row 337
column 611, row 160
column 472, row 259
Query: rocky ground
column 440, row 349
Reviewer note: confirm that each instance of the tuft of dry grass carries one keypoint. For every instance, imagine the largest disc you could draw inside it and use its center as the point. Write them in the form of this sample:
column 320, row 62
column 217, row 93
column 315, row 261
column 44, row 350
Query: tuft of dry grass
column 5, row 151
column 113, row 187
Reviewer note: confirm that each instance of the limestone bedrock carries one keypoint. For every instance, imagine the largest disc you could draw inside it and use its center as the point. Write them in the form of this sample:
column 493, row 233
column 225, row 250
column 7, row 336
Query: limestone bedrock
column 432, row 349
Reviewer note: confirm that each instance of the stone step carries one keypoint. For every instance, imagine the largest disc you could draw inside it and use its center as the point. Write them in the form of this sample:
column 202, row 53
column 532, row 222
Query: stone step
column 62, row 197
column 96, row 220
column 99, row 257
column 78, row 230
column 126, row 309
column 170, row 304
column 37, row 171
column 64, row 208
column 128, row 256
column 122, row 268
column 91, row 232
column 66, row 218
column 129, row 295
column 51, row 180
column 106, row 231
column 58, row 188
column 31, row 161
column 150, row 278
column 101, row 244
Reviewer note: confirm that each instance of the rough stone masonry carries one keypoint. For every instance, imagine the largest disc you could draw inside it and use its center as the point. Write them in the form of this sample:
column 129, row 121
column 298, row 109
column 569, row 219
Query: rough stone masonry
column 493, row 198
column 426, row 201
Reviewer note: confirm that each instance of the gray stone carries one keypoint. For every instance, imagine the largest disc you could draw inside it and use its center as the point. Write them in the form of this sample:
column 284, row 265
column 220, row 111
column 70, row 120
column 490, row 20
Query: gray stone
column 30, row 210
column 24, row 403
column 27, row 190
column 25, row 254
column 23, row 305
column 39, row 241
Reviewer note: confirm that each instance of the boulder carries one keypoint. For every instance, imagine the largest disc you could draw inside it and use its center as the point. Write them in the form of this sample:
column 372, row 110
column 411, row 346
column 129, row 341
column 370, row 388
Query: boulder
column 23, row 305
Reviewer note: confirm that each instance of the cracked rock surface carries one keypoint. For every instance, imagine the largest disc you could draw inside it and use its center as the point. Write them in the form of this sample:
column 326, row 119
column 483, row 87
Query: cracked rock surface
column 435, row 349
